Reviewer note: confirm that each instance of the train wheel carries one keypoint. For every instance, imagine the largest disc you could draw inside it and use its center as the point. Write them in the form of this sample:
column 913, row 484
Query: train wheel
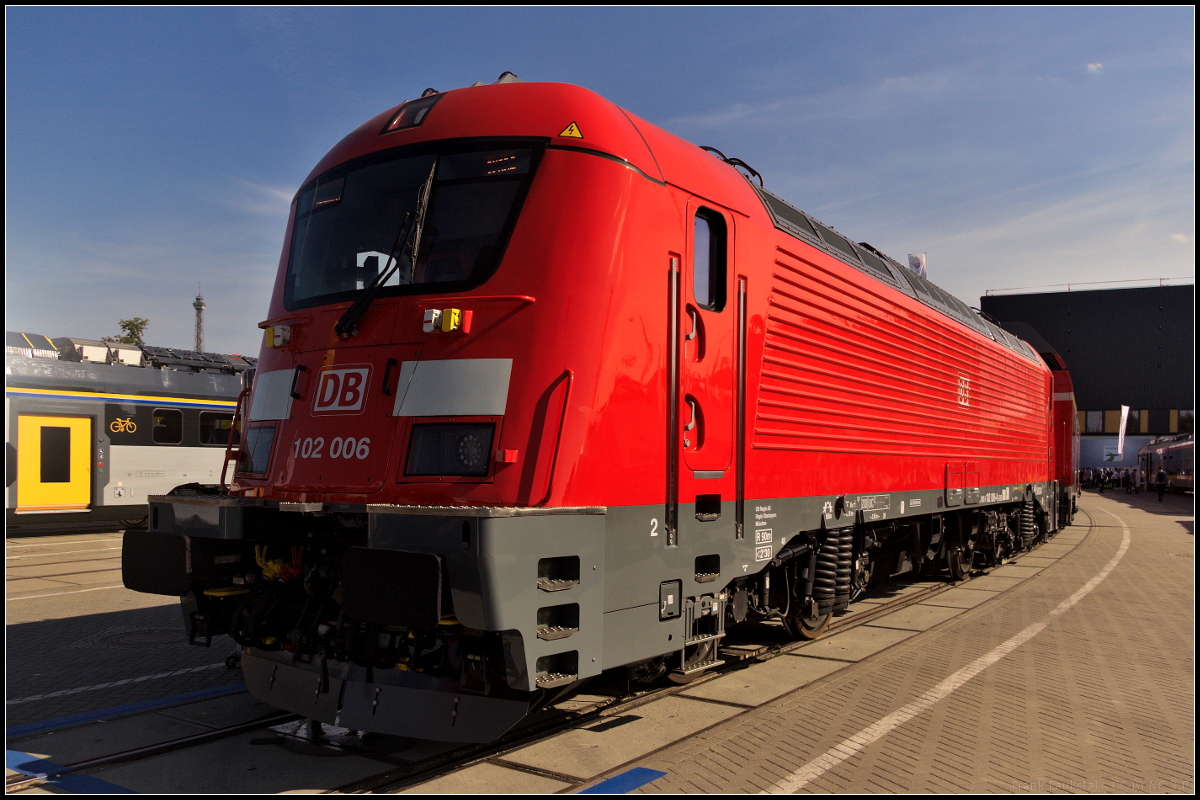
column 811, row 627
column 959, row 559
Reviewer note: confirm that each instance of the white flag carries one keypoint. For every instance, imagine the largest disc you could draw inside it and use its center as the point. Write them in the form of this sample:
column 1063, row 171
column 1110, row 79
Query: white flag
column 1121, row 433
column 916, row 262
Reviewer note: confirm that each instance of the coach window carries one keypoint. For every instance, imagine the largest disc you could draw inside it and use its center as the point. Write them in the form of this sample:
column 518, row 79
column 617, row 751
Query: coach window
column 168, row 426
column 214, row 428
column 708, row 259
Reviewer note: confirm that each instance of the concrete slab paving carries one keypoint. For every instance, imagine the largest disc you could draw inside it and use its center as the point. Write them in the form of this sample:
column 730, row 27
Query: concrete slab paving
column 105, row 738
column 857, row 609
column 487, row 778
column 221, row 712
column 854, row 645
column 762, row 682
column 888, row 593
column 1054, row 550
column 961, row 597
column 920, row 617
column 15, row 587
column 98, row 578
column 579, row 701
column 995, row 583
column 1037, row 561
column 237, row 766
column 415, row 750
column 584, row 753
column 1021, row 570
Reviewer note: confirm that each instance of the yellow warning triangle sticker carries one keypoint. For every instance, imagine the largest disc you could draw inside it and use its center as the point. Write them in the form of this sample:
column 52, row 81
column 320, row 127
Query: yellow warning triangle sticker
column 572, row 130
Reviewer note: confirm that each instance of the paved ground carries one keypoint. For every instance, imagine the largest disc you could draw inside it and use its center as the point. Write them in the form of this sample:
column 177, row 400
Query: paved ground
column 1093, row 691
column 1101, row 700
column 73, row 631
column 1035, row 678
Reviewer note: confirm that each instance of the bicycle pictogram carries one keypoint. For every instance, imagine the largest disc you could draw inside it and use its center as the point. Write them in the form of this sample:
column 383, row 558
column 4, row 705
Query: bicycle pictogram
column 126, row 425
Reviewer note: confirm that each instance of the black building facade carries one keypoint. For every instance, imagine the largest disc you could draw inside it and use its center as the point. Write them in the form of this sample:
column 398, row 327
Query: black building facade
column 1124, row 347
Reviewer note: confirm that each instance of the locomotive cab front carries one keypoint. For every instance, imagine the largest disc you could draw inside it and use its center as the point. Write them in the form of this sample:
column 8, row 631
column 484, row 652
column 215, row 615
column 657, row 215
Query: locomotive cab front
column 409, row 525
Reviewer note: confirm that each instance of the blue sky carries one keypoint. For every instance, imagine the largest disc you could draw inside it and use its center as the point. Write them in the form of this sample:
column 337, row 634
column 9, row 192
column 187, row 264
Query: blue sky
column 149, row 149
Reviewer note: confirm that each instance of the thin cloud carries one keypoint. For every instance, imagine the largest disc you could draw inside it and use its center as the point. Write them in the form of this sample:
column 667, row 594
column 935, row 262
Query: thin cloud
column 850, row 103
column 1095, row 68
column 257, row 198
column 1182, row 238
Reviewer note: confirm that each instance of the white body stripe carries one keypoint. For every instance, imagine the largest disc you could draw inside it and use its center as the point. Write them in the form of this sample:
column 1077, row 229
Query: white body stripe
column 157, row 469
column 462, row 387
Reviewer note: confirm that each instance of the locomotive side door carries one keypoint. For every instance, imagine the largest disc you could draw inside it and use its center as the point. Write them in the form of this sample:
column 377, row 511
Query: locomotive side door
column 704, row 315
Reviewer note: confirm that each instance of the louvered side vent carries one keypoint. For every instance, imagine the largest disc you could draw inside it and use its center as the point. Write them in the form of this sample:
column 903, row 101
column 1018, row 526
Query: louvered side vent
column 846, row 370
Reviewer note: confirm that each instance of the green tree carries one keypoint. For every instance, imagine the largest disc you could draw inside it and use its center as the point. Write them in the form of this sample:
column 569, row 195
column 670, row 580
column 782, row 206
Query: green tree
column 132, row 329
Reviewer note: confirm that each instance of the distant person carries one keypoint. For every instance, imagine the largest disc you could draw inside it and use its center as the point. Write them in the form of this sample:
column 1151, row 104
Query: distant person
column 1161, row 480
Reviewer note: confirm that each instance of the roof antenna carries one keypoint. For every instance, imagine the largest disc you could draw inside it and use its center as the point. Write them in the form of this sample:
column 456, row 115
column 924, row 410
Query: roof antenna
column 508, row 77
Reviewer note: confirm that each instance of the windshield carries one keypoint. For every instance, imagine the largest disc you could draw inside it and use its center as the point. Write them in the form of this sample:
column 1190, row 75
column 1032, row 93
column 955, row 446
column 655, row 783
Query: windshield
column 347, row 222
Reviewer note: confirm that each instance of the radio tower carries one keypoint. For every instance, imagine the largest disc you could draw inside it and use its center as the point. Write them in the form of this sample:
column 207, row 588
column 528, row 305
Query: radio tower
column 199, row 305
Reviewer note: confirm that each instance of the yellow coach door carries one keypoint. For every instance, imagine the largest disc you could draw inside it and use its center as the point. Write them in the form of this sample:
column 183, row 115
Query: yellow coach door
column 54, row 463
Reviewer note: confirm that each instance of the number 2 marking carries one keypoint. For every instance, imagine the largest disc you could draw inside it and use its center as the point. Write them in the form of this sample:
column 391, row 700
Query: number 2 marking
column 654, row 526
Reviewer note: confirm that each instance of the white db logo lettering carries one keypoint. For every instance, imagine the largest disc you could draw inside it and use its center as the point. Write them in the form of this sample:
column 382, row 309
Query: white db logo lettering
column 342, row 390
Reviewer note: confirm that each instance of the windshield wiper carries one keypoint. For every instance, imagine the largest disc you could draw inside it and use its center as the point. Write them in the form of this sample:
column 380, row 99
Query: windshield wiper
column 408, row 239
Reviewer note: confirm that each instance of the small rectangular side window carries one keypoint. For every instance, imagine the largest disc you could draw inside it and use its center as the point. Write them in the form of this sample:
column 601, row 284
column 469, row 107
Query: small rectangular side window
column 168, row 426
column 708, row 259
column 215, row 427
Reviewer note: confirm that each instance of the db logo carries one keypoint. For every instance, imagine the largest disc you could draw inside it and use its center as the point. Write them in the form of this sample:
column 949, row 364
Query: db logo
column 342, row 390
column 964, row 390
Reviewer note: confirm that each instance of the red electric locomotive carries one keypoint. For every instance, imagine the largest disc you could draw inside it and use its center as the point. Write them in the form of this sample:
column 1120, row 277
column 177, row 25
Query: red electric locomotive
column 547, row 391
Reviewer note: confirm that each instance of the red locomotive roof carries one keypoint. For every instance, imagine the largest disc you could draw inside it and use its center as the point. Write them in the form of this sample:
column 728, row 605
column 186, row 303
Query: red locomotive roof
column 545, row 110
column 549, row 110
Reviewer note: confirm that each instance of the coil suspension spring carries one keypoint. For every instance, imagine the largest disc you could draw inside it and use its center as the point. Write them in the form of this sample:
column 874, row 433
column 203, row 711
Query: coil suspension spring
column 845, row 566
column 1028, row 526
column 826, row 581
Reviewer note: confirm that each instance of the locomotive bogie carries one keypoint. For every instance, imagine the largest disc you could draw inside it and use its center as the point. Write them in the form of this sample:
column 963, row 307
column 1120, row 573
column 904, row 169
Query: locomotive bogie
column 647, row 401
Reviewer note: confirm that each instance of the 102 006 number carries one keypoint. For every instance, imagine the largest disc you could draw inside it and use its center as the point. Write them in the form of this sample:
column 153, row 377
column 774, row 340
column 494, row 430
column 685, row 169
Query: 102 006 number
column 348, row 447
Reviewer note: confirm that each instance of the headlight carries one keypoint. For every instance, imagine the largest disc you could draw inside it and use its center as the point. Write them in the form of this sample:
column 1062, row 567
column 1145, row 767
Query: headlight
column 256, row 452
column 462, row 449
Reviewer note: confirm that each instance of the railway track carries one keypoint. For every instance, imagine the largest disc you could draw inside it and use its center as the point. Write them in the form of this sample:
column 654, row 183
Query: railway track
column 763, row 642
column 537, row 729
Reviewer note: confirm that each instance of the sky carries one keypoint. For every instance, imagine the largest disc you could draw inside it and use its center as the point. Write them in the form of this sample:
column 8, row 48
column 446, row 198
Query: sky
column 151, row 150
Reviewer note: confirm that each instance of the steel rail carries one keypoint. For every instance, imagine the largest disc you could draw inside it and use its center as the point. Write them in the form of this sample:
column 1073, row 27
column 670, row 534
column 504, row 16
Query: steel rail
column 149, row 751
